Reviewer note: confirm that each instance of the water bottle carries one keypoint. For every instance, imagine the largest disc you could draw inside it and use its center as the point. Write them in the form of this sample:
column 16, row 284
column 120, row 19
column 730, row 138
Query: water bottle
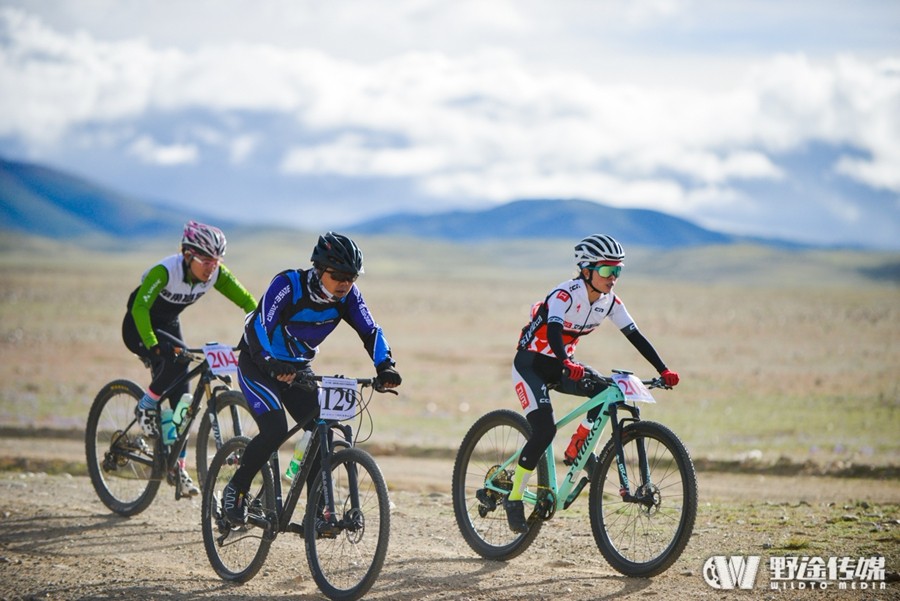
column 299, row 450
column 178, row 418
column 169, row 433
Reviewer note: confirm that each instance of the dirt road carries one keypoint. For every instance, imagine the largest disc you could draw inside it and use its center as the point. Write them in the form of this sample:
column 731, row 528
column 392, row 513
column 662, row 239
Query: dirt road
column 57, row 541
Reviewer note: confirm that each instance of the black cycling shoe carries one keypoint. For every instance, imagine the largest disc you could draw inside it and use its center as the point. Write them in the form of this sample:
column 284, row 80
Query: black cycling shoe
column 515, row 516
column 233, row 506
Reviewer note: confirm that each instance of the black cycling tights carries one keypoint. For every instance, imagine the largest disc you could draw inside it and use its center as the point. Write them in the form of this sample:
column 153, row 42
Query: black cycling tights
column 543, row 429
column 272, row 431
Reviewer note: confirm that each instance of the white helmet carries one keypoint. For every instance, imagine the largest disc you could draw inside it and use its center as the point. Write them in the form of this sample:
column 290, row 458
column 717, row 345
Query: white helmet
column 596, row 248
column 207, row 239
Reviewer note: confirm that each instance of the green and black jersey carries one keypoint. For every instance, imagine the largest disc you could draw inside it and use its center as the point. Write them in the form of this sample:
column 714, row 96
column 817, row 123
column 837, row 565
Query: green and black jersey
column 166, row 290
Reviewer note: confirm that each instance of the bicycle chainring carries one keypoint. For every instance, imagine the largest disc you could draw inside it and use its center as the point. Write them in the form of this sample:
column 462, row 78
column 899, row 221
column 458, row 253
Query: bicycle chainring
column 545, row 507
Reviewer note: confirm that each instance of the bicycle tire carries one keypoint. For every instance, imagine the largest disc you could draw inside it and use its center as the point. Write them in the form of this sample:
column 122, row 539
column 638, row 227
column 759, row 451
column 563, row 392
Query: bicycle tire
column 346, row 563
column 236, row 554
column 639, row 540
column 112, row 435
column 234, row 418
column 491, row 440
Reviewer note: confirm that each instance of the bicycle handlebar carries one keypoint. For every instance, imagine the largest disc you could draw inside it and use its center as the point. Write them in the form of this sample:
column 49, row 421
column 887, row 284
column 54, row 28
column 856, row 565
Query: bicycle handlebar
column 187, row 353
column 303, row 378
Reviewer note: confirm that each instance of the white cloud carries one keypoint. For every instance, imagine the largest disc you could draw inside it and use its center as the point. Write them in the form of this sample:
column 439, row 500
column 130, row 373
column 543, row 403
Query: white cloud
column 625, row 102
column 147, row 150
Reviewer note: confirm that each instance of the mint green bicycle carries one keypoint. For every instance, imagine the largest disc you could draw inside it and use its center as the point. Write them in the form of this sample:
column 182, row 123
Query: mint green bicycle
column 643, row 489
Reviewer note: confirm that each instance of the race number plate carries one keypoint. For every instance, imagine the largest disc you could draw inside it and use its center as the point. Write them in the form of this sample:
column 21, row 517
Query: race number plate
column 221, row 358
column 633, row 389
column 337, row 399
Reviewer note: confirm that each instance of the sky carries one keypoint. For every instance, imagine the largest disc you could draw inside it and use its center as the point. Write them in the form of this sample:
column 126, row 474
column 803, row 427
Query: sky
column 765, row 118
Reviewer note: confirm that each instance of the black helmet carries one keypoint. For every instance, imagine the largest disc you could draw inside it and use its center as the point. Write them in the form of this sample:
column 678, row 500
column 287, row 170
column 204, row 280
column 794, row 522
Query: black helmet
column 339, row 253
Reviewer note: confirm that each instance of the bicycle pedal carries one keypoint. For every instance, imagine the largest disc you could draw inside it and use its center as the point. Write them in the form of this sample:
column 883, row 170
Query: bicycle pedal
column 295, row 528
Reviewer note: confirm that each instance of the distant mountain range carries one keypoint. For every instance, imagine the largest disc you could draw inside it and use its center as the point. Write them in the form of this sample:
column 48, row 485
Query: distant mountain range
column 564, row 219
column 39, row 200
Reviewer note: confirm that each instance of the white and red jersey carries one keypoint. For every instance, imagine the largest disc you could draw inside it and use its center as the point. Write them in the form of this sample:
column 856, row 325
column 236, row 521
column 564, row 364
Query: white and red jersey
column 568, row 305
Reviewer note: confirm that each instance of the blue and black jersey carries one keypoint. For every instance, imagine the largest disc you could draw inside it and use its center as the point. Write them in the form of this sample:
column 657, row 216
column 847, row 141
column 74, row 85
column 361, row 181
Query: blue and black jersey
column 291, row 321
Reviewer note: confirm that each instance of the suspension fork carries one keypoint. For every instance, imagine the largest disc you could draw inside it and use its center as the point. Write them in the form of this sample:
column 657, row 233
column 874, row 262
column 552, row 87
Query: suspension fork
column 325, row 457
column 643, row 466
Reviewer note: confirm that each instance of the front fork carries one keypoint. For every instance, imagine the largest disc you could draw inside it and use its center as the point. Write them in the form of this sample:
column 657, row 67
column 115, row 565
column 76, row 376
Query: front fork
column 644, row 469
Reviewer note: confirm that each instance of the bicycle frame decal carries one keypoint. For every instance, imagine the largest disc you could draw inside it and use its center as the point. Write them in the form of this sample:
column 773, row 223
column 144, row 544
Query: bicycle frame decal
column 337, row 399
column 221, row 358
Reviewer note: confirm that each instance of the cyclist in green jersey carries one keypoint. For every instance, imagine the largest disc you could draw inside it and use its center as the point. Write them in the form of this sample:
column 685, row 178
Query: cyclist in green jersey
column 166, row 290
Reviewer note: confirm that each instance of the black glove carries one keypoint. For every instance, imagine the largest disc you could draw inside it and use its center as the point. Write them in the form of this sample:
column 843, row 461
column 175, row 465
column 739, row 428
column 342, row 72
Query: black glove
column 304, row 379
column 387, row 375
column 279, row 368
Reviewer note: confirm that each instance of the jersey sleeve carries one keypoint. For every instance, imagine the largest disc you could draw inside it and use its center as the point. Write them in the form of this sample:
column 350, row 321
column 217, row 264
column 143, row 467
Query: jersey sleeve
column 371, row 334
column 155, row 280
column 558, row 302
column 233, row 290
column 264, row 324
column 620, row 317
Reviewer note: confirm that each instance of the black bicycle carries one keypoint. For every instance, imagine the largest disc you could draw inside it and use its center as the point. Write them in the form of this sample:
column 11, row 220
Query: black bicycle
column 127, row 468
column 346, row 523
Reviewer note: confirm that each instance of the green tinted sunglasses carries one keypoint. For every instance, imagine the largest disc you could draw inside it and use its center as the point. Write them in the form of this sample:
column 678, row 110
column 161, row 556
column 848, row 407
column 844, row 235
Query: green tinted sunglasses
column 607, row 270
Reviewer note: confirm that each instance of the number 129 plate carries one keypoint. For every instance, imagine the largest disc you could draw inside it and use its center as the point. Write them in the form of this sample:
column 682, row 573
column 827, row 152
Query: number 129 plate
column 337, row 399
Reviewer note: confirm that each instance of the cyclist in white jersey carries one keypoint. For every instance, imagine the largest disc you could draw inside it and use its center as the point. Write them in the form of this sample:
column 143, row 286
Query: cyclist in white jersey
column 544, row 359
column 167, row 289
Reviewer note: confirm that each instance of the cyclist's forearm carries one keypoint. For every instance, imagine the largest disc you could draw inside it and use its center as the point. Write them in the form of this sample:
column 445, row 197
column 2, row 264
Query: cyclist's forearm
column 644, row 347
column 555, row 340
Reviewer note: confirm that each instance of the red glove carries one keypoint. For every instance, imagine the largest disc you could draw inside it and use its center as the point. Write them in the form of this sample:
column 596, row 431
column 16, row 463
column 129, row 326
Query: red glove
column 669, row 377
column 576, row 371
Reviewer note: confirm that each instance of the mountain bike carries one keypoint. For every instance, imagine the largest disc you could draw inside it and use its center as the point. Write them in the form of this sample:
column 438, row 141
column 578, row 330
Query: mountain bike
column 346, row 523
column 127, row 468
column 643, row 489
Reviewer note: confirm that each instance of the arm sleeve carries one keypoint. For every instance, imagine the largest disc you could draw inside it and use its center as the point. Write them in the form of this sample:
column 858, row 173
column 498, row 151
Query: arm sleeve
column 359, row 317
column 555, row 339
column 644, row 347
column 265, row 323
column 558, row 302
column 233, row 290
column 155, row 280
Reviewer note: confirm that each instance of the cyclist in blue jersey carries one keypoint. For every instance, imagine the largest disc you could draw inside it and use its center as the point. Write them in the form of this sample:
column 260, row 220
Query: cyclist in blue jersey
column 545, row 355
column 281, row 337
column 167, row 289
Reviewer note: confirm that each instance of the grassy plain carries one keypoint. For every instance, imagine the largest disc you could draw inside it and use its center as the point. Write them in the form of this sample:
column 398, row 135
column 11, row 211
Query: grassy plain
column 782, row 353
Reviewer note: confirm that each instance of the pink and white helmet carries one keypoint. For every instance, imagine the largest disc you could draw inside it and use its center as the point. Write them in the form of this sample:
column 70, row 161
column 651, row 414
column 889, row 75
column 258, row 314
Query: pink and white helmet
column 203, row 238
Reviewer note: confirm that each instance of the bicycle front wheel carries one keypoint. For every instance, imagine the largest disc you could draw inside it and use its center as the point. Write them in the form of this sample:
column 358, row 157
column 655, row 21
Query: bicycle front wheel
column 232, row 418
column 120, row 460
column 346, row 557
column 487, row 446
column 236, row 553
column 643, row 537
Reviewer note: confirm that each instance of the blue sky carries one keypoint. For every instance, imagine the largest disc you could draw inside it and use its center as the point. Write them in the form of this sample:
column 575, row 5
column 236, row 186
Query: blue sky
column 766, row 118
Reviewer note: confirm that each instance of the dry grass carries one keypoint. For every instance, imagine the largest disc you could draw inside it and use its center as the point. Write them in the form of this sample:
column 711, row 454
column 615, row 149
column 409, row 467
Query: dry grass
column 802, row 365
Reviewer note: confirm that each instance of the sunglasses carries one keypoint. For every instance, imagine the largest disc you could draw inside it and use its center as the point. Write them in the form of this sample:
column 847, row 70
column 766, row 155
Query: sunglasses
column 341, row 277
column 607, row 270
column 205, row 261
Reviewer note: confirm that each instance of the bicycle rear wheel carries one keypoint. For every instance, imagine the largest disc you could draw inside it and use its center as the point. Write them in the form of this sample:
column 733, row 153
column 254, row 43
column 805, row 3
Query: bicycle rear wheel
column 120, row 460
column 345, row 561
column 233, row 418
column 236, row 553
column 490, row 442
column 644, row 538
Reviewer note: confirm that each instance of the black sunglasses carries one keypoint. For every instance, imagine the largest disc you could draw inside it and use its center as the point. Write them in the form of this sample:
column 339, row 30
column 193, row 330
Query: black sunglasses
column 339, row 276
